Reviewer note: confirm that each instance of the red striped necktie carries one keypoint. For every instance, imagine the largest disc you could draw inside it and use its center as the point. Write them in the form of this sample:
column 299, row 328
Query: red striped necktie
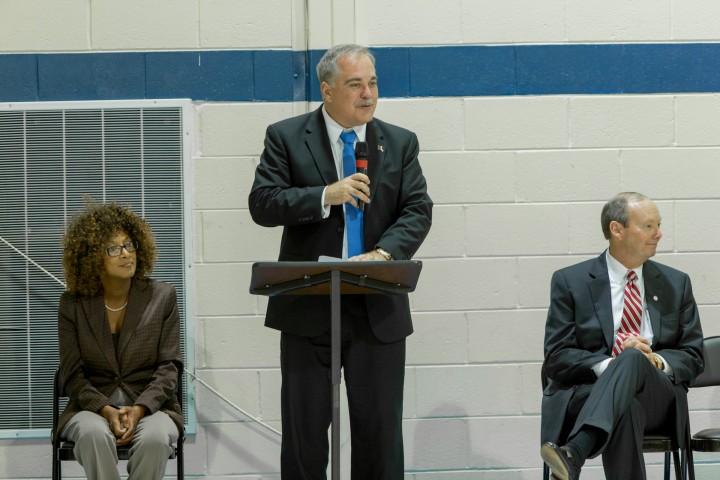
column 632, row 313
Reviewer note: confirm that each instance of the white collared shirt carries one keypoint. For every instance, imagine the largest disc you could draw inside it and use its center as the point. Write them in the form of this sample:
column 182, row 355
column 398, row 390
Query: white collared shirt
column 618, row 281
column 334, row 130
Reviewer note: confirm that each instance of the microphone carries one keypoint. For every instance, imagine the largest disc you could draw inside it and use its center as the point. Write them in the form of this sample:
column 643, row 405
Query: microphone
column 361, row 164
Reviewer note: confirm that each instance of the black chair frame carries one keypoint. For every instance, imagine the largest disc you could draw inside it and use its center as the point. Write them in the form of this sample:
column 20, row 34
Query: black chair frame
column 708, row 440
column 63, row 450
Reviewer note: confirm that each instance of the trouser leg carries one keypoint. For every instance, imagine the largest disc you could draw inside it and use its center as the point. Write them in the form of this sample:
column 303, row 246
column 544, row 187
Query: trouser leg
column 374, row 375
column 631, row 396
column 151, row 447
column 95, row 447
column 626, row 443
column 306, row 406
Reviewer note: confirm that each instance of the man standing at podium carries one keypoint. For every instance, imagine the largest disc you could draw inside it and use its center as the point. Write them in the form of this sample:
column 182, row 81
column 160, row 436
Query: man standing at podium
column 306, row 182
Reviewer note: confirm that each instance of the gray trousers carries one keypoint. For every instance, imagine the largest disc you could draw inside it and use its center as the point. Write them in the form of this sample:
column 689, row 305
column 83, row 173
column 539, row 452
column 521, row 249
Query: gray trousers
column 95, row 447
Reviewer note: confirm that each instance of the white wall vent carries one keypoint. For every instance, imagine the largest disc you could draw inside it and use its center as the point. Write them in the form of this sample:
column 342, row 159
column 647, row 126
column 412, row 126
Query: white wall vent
column 51, row 154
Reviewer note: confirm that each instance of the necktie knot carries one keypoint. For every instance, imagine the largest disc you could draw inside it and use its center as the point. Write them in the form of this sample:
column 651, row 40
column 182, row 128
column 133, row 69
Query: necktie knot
column 348, row 137
column 631, row 276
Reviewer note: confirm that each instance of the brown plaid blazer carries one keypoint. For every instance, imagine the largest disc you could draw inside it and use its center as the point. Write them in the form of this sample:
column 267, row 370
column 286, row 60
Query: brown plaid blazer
column 146, row 365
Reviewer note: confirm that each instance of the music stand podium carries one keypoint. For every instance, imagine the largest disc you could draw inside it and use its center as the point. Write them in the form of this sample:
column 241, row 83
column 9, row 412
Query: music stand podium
column 334, row 279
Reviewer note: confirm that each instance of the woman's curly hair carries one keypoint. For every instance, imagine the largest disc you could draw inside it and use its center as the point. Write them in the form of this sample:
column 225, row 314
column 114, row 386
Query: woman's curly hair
column 85, row 241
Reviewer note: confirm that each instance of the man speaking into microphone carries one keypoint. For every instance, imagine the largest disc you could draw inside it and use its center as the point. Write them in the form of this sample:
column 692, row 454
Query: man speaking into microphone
column 335, row 198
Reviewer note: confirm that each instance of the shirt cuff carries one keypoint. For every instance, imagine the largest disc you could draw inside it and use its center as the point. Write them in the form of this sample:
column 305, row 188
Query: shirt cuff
column 325, row 208
column 600, row 367
column 668, row 369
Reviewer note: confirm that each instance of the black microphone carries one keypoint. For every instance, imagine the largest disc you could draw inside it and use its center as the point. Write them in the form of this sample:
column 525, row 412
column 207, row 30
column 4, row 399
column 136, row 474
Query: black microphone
column 361, row 164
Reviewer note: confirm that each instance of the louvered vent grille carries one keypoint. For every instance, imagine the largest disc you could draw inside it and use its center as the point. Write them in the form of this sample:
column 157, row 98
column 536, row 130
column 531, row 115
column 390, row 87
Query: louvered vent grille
column 49, row 158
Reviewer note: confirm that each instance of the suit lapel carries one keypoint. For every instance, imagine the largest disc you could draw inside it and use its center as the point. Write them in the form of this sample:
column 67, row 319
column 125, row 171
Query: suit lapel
column 318, row 143
column 376, row 158
column 653, row 296
column 94, row 309
column 599, row 286
column 138, row 301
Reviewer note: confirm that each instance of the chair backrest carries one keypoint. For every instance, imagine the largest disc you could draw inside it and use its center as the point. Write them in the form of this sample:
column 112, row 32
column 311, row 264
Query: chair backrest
column 711, row 374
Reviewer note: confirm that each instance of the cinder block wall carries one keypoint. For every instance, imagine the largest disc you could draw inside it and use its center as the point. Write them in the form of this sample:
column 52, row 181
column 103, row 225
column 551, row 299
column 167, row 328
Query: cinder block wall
column 518, row 183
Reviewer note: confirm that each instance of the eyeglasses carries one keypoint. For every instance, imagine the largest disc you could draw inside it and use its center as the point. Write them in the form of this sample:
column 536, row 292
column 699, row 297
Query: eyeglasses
column 116, row 250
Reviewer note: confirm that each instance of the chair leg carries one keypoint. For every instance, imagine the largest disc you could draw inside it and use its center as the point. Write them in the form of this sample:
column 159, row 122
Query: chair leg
column 179, row 459
column 679, row 471
column 55, row 464
column 689, row 462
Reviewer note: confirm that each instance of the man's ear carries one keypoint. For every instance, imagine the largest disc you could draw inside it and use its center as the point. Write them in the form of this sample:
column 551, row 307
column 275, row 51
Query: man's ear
column 326, row 91
column 616, row 230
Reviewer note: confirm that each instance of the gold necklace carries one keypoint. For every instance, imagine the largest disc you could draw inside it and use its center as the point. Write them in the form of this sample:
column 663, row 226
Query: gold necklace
column 115, row 309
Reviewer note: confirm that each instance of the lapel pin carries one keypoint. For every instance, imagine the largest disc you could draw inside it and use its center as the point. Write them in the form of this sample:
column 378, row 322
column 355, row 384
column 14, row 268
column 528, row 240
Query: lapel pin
column 381, row 149
column 655, row 297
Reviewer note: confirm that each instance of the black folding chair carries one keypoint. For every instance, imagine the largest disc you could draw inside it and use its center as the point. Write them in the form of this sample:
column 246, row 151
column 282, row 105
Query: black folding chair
column 708, row 440
column 63, row 450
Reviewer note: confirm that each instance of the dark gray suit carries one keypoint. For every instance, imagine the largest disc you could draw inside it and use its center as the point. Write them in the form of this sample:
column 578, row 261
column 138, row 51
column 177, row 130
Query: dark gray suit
column 579, row 334
column 296, row 165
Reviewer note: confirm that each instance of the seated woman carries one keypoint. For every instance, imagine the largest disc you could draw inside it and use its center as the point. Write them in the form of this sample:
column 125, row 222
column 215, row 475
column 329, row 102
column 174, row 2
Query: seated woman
column 119, row 335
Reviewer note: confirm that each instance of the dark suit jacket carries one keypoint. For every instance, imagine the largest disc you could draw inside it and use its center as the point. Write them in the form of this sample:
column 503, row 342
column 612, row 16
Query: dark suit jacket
column 579, row 333
column 295, row 166
column 149, row 351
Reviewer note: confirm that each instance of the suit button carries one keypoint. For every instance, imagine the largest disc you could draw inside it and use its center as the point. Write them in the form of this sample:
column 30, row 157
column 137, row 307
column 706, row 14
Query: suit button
column 340, row 229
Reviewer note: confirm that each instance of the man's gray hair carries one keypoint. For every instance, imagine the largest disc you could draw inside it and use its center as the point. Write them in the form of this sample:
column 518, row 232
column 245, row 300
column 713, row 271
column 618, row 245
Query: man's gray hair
column 327, row 68
column 616, row 210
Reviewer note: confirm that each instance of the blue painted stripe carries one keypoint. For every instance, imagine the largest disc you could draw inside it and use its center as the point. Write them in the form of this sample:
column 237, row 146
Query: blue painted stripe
column 284, row 75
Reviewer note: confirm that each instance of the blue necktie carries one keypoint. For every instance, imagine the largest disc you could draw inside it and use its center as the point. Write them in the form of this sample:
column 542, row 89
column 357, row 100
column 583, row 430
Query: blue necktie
column 353, row 216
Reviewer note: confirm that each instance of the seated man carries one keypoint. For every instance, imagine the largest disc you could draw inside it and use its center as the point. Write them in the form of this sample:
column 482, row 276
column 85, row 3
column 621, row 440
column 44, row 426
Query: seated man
column 622, row 342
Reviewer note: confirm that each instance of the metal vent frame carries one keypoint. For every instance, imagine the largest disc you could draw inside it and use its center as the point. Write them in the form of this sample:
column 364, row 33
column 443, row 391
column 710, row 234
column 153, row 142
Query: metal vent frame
column 137, row 152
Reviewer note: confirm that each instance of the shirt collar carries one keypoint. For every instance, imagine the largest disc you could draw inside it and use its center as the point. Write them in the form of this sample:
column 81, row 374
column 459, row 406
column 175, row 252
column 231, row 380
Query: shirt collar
column 334, row 129
column 618, row 271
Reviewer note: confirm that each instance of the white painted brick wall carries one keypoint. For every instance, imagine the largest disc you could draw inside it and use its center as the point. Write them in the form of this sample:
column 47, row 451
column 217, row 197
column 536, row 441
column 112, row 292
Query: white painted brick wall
column 228, row 24
column 695, row 116
column 32, row 25
column 404, row 22
column 567, row 175
column 494, row 230
column 229, row 190
column 438, row 122
column 516, row 123
column 695, row 20
column 236, row 129
column 618, row 20
column 456, row 177
column 621, row 121
column 140, row 24
column 499, row 21
column 239, row 342
column 675, row 173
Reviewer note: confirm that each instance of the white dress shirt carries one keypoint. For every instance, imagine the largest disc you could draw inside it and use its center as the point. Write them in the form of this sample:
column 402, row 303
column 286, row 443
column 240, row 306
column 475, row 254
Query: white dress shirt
column 334, row 130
